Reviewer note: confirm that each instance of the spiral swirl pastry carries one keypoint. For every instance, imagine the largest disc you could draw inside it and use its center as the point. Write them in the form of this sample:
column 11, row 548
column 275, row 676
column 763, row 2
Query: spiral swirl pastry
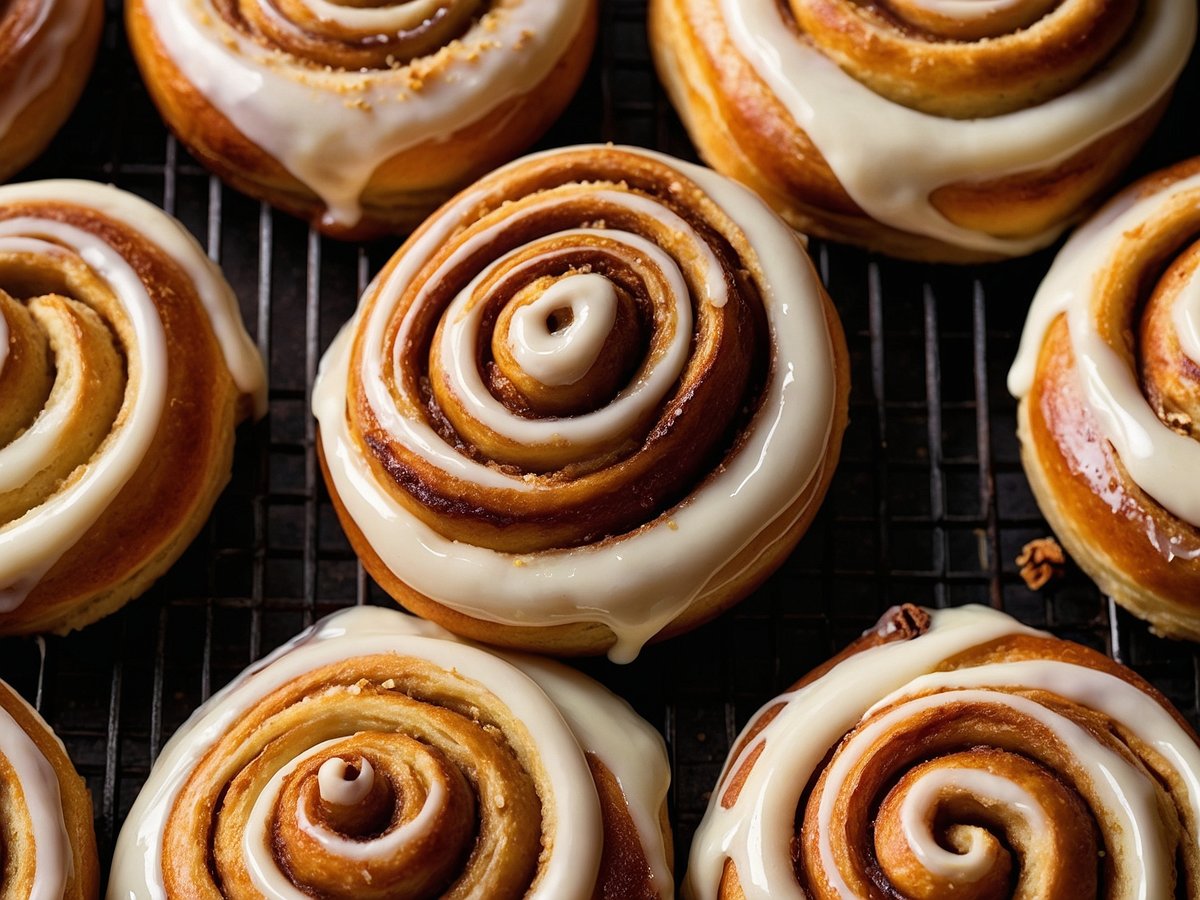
column 378, row 756
column 1109, row 379
column 45, row 811
column 592, row 361
column 361, row 117
column 123, row 370
column 46, row 52
column 957, row 754
column 950, row 130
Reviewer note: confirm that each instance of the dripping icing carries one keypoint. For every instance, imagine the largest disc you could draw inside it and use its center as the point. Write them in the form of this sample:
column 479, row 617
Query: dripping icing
column 566, row 712
column 853, row 127
column 718, row 521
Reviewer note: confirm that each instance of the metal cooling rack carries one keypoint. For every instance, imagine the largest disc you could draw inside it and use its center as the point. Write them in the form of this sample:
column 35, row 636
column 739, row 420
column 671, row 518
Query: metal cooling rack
column 929, row 504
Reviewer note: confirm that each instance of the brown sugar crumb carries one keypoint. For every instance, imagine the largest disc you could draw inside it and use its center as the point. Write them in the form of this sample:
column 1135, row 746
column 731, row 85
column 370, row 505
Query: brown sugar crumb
column 1180, row 423
column 1041, row 561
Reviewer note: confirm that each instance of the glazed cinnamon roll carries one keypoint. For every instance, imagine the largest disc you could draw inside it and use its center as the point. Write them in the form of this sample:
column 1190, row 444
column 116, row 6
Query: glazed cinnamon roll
column 46, row 813
column 957, row 753
column 123, row 370
column 596, row 398
column 378, row 756
column 1109, row 380
column 46, row 52
column 359, row 117
column 931, row 130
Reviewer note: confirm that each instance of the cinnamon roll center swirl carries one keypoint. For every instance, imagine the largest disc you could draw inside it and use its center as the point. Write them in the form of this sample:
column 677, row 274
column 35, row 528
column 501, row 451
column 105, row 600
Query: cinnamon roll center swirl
column 593, row 340
column 356, row 34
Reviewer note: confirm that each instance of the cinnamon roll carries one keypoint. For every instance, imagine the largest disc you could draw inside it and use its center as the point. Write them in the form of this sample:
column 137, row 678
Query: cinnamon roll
column 46, row 52
column 1109, row 379
column 45, row 811
column 920, row 128
column 123, row 370
column 378, row 756
column 359, row 117
column 596, row 398
column 957, row 754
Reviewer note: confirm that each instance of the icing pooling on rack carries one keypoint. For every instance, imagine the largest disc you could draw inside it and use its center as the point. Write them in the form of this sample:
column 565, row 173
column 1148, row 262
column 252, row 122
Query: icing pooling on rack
column 710, row 528
column 566, row 713
column 1159, row 460
column 854, row 128
column 332, row 128
column 756, row 831
column 39, row 70
column 43, row 800
column 33, row 543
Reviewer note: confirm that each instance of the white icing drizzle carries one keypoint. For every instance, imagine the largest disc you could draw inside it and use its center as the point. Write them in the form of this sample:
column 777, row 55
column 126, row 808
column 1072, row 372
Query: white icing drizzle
column 784, row 451
column 1186, row 316
column 241, row 355
column 463, row 325
column 39, row 70
column 31, row 544
column 25, row 456
column 459, row 338
column 854, row 128
column 974, row 10
column 566, row 714
column 4, row 340
column 337, row 789
column 630, row 749
column 1159, row 460
column 921, row 801
column 755, row 832
column 396, row 18
column 332, row 128
column 562, row 356
column 54, row 860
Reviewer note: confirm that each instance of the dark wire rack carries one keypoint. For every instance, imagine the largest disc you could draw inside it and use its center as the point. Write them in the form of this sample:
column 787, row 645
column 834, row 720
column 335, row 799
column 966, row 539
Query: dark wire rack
column 929, row 505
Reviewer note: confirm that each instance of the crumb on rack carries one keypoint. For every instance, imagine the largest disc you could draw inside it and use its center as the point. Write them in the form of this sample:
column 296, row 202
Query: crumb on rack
column 1041, row 561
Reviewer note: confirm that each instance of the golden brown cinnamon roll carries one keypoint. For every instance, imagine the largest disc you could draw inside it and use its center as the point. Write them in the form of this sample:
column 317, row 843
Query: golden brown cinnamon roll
column 924, row 129
column 46, row 52
column 45, row 811
column 378, row 756
column 957, row 754
column 123, row 370
column 1109, row 380
column 360, row 117
column 596, row 398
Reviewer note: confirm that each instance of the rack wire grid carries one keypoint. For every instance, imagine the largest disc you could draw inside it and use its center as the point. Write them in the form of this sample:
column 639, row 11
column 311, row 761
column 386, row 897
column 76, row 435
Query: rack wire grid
column 929, row 504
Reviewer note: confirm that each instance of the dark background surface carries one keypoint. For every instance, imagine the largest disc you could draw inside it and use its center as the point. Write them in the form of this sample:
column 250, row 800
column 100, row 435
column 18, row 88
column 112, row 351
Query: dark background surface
column 929, row 505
